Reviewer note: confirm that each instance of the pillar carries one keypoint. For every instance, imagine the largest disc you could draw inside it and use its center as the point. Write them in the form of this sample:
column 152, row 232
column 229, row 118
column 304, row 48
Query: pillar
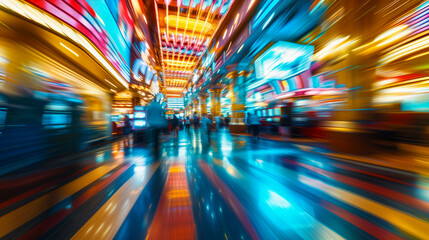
column 203, row 103
column 238, row 100
column 196, row 103
column 215, row 109
column 186, row 111
column 191, row 109
column 344, row 135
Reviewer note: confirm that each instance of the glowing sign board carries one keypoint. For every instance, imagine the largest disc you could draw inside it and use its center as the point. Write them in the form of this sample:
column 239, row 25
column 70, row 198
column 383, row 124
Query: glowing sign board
column 283, row 60
column 175, row 103
column 140, row 118
column 109, row 26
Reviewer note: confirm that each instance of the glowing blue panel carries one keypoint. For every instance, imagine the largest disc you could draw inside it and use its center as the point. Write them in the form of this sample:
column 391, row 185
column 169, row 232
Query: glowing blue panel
column 265, row 10
column 140, row 115
column 207, row 3
column 140, row 118
column 283, row 60
column 225, row 8
column 140, row 123
column 186, row 3
column 315, row 81
column 217, row 5
column 195, row 3
column 328, row 84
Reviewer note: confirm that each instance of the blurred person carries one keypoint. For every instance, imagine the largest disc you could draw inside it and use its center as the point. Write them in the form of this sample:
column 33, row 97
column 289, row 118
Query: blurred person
column 127, row 130
column 217, row 122
column 285, row 124
column 206, row 127
column 156, row 122
column 254, row 124
column 246, row 121
column 195, row 120
column 187, row 123
column 227, row 121
column 175, row 122
column 170, row 125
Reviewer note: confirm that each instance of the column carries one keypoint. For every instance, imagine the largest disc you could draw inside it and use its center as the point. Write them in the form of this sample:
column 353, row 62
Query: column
column 191, row 109
column 203, row 102
column 343, row 133
column 215, row 101
column 238, row 100
column 196, row 103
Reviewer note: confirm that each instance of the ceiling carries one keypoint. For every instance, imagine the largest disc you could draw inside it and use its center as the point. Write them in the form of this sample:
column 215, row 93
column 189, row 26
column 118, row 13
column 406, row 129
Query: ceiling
column 185, row 28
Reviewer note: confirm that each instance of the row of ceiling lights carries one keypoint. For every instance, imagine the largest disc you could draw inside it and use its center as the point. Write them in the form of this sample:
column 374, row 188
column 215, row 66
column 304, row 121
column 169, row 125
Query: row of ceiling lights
column 194, row 27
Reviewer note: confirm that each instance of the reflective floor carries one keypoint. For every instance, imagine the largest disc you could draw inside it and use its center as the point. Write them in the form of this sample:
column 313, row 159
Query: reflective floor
column 234, row 187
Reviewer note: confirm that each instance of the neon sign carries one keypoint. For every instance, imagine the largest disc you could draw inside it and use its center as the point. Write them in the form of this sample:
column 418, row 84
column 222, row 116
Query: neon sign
column 108, row 26
column 283, row 60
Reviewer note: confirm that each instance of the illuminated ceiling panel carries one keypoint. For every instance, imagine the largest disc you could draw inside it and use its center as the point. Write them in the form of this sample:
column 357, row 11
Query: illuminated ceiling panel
column 185, row 28
column 184, row 23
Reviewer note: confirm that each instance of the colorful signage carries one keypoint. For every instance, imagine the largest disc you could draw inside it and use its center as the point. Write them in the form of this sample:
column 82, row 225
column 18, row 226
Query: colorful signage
column 175, row 103
column 139, row 118
column 107, row 25
column 283, row 60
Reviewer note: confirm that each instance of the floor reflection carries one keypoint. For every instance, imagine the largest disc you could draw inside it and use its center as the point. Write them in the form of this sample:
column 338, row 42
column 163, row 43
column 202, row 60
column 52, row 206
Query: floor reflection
column 231, row 188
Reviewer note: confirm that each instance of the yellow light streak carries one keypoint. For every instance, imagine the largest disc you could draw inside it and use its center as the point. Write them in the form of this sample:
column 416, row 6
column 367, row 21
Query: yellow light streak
column 77, row 55
column 18, row 217
column 402, row 220
column 159, row 35
column 168, row 35
column 184, row 34
column 176, row 36
column 385, row 39
column 177, row 169
column 209, row 16
column 174, row 89
column 178, row 80
column 250, row 5
column 178, row 193
column 240, row 48
column 418, row 55
column 176, row 61
column 106, row 222
column 390, row 33
column 180, row 64
column 406, row 49
column 335, row 47
column 236, row 18
column 195, row 26
column 182, row 22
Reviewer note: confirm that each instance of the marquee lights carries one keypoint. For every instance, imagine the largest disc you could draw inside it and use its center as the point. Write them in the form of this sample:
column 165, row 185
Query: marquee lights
column 185, row 23
column 184, row 37
column 34, row 14
column 283, row 60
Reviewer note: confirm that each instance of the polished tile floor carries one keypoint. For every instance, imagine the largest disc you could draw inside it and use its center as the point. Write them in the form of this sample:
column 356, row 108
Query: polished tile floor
column 234, row 187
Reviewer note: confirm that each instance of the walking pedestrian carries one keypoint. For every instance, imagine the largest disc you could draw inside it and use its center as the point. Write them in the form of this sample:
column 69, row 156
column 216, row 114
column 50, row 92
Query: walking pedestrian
column 227, row 120
column 127, row 130
column 187, row 123
column 175, row 126
column 254, row 124
column 195, row 120
column 156, row 122
column 206, row 127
